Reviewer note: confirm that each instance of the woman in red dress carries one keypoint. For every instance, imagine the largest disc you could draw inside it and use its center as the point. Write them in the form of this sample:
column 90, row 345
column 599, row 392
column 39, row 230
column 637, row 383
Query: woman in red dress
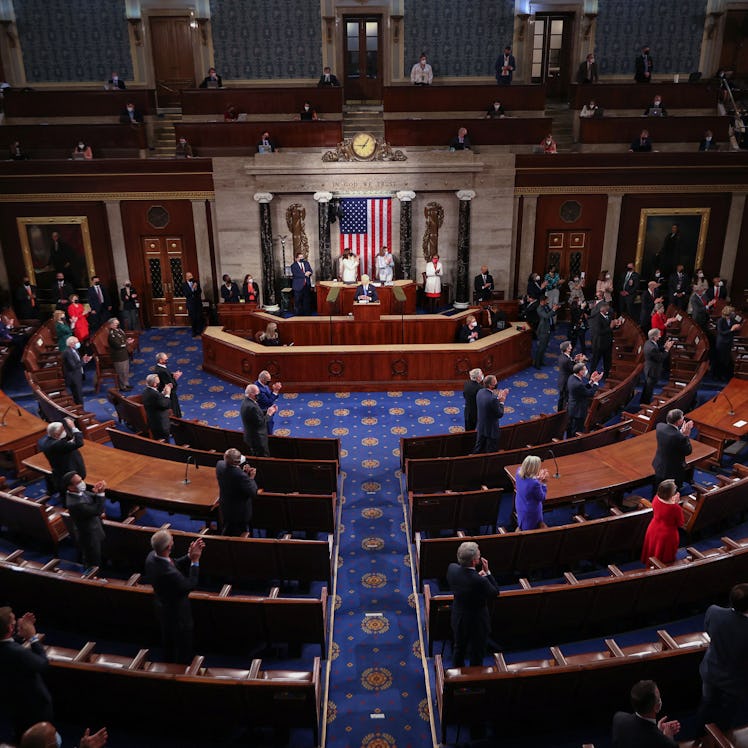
column 661, row 539
column 78, row 319
column 660, row 320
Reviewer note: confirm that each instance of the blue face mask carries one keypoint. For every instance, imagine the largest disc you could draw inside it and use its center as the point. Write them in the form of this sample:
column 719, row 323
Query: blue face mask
column 77, row 346
column 58, row 739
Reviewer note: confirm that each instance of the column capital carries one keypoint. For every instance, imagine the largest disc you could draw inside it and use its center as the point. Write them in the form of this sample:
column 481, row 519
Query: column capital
column 323, row 197
column 263, row 197
column 405, row 196
column 465, row 195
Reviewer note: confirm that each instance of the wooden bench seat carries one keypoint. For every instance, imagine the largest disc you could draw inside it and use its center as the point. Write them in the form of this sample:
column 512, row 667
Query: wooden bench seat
column 707, row 508
column 32, row 519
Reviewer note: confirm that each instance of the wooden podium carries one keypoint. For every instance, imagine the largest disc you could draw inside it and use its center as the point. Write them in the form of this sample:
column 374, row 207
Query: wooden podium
column 368, row 311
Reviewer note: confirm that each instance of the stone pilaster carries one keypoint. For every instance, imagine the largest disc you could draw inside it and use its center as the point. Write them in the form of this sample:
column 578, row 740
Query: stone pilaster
column 462, row 290
column 266, row 251
column 406, row 198
column 323, row 218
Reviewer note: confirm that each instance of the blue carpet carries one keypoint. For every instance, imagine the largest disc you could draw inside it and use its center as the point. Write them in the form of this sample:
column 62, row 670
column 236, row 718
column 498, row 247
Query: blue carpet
column 381, row 691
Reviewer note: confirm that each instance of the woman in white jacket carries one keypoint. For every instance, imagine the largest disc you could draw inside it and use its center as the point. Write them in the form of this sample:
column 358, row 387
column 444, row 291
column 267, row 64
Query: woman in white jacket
column 433, row 286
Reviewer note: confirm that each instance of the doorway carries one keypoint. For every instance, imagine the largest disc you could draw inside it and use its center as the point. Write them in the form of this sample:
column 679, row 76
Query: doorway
column 568, row 251
column 362, row 57
column 173, row 61
column 734, row 55
column 164, row 261
column 551, row 53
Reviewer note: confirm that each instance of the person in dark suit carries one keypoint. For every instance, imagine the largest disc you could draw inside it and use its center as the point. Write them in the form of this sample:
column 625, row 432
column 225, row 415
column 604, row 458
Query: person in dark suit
column 327, row 78
column 130, row 305
column 267, row 395
column 23, row 661
column 266, row 144
column 130, row 115
column 489, row 403
column 85, row 509
column 642, row 144
column 72, row 368
column 716, row 292
column 629, row 289
column 100, row 303
column 724, row 669
column 61, row 446
column 27, row 305
column 157, row 407
column 546, row 320
column 193, row 295
column 643, row 66
column 255, row 422
column 212, row 80
column 601, row 328
column 497, row 320
column 366, row 290
column 671, row 252
column 698, row 308
column 673, row 446
column 469, row 393
column 587, row 72
column 505, row 67
column 236, row 490
column 565, row 369
column 301, row 283
column 461, row 141
column 166, row 376
column 115, row 83
column 708, row 143
column 483, row 284
column 229, row 290
column 642, row 729
column 173, row 580
column 654, row 358
column 473, row 586
column 656, row 108
column 678, row 287
column 535, row 287
column 649, row 298
column 62, row 291
column 581, row 391
column 469, row 332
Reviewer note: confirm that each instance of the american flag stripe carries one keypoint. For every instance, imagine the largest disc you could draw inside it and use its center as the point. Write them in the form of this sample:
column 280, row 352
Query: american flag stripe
column 365, row 227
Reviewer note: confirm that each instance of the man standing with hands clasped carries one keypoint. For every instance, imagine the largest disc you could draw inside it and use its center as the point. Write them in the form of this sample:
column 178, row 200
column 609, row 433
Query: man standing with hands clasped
column 473, row 586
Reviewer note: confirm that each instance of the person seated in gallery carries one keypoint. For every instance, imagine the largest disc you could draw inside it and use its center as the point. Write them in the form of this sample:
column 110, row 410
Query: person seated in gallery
column 461, row 141
column 708, row 143
column 656, row 108
column 591, row 110
column 130, row 115
column 469, row 332
column 231, row 114
column 587, row 72
column 366, row 292
column 328, row 78
column 212, row 80
column 82, row 152
column 307, row 113
column 115, row 83
column 548, row 144
column 495, row 111
column 270, row 336
column 421, row 74
column 642, row 144
column 16, row 153
column 266, row 144
column 183, row 149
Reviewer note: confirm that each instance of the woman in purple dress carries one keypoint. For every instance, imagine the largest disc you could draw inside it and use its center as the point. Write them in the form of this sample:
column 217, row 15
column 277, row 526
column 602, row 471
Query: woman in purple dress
column 530, row 493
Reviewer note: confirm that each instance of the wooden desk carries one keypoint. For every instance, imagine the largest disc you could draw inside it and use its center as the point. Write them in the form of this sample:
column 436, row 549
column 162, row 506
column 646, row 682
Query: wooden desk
column 634, row 95
column 715, row 424
column 344, row 304
column 429, row 132
column 606, row 472
column 445, row 98
column 262, row 100
column 19, row 434
column 145, row 481
column 67, row 103
column 671, row 129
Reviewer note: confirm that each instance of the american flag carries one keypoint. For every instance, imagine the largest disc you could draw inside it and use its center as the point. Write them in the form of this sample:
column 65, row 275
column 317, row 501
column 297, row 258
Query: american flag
column 365, row 227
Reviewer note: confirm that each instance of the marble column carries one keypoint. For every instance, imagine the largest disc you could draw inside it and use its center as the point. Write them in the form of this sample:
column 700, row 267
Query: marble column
column 266, row 251
column 732, row 237
column 610, row 238
column 462, row 291
column 323, row 219
column 406, row 198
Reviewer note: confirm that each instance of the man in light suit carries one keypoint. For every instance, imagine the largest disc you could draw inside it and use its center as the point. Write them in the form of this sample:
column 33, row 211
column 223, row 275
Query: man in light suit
column 641, row 729
column 673, row 446
column 173, row 580
column 255, row 422
column 654, row 358
column 473, row 586
column 489, row 404
column 236, row 489
column 581, row 391
column 61, row 446
column 85, row 509
column 22, row 663
column 72, row 367
column 157, row 407
column 366, row 290
column 724, row 669
column 301, row 283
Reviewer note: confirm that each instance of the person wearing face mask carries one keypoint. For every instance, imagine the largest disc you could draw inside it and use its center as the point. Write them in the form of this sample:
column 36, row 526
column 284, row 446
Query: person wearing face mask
column 250, row 291
column 549, row 144
column 581, row 391
column 26, row 302
column 576, row 288
column 629, row 289
column 587, row 72
column 130, row 305
column 86, row 508
column 546, row 320
column 266, row 144
column 716, row 291
column 115, row 83
column 72, row 368
column 643, row 66
column 535, row 288
column 167, row 378
column 421, row 74
column 44, row 735
column 469, row 332
column 656, row 108
column 604, row 286
column 183, row 149
column 229, row 290
column 727, row 327
column 699, row 282
column 100, row 303
column 130, row 115
column 708, row 143
column 212, row 80
column 78, row 318
column 308, row 113
column 82, row 152
column 432, row 288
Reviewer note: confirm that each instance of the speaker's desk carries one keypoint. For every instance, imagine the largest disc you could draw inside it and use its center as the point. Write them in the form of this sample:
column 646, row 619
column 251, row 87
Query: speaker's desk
column 386, row 294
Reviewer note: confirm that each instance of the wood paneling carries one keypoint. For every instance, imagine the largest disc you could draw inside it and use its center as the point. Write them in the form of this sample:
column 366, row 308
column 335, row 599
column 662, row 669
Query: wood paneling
column 636, row 96
column 671, row 129
column 261, row 100
column 508, row 131
column 409, row 98
column 61, row 103
column 58, row 141
column 173, row 62
column 738, row 285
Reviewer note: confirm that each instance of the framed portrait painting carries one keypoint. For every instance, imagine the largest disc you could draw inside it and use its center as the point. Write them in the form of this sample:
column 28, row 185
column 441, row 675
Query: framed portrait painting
column 669, row 237
column 56, row 244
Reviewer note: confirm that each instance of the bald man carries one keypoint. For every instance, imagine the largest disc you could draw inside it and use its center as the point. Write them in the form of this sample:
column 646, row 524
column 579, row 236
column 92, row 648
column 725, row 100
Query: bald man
column 255, row 422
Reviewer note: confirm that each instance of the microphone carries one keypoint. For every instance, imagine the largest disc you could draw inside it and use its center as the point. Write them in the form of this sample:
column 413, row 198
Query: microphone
column 558, row 474
column 190, row 459
column 723, row 393
column 2, row 422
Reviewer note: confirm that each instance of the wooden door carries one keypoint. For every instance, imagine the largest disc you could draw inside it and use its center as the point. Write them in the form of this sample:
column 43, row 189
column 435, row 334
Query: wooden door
column 734, row 53
column 362, row 45
column 568, row 251
column 163, row 259
column 551, row 53
column 173, row 62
